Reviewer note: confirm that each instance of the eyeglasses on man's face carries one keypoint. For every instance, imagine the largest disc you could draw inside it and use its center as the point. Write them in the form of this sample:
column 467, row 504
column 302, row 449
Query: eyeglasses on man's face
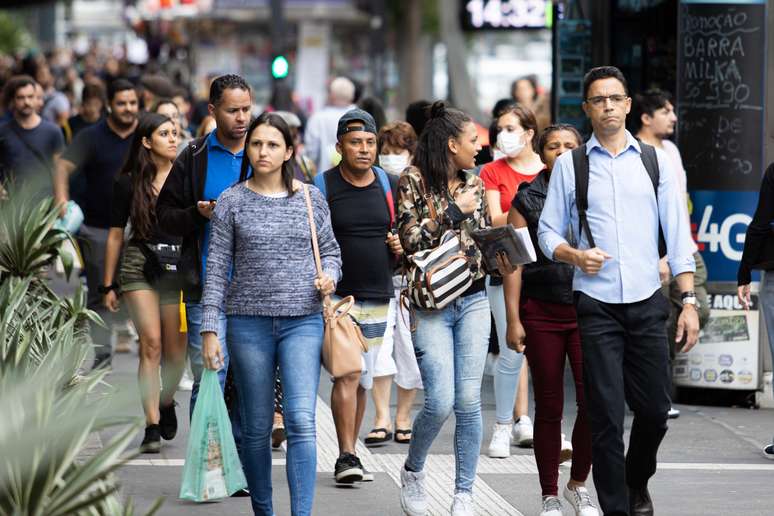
column 599, row 101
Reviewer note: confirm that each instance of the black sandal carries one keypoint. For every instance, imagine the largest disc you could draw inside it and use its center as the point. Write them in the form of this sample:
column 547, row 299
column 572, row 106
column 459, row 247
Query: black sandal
column 378, row 440
column 406, row 432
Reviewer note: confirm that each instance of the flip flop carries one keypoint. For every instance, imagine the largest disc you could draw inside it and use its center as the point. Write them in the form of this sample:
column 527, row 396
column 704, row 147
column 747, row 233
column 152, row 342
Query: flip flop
column 378, row 440
column 405, row 432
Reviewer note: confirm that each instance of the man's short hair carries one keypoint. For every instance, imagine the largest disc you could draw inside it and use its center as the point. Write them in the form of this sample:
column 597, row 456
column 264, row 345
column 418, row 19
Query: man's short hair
column 398, row 135
column 158, row 84
column 342, row 90
column 226, row 82
column 647, row 103
column 93, row 90
column 117, row 86
column 603, row 72
column 13, row 85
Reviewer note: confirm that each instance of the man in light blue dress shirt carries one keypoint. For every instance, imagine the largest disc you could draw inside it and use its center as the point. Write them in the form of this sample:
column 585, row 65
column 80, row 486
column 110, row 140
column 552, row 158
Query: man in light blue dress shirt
column 621, row 312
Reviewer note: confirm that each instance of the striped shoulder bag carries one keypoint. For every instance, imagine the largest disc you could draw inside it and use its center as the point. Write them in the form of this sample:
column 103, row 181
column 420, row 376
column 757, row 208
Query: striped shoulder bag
column 439, row 275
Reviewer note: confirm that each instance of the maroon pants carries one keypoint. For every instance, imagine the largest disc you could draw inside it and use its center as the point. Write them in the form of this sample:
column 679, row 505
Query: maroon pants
column 552, row 334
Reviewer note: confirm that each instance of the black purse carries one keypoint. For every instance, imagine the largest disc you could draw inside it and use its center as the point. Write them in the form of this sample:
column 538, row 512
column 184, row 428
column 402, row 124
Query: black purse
column 160, row 260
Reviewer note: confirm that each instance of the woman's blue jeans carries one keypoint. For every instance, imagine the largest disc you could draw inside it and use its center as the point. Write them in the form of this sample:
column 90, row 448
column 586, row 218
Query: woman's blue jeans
column 509, row 362
column 257, row 346
column 451, row 346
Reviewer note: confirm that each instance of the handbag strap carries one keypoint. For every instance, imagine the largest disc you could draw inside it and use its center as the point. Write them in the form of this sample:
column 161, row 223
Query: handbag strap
column 428, row 197
column 315, row 245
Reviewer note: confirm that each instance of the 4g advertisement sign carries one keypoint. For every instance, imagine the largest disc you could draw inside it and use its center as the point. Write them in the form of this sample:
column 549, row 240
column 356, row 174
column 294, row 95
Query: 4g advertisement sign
column 719, row 221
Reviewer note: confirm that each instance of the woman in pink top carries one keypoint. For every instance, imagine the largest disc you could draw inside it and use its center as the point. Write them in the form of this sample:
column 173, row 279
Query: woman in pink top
column 516, row 140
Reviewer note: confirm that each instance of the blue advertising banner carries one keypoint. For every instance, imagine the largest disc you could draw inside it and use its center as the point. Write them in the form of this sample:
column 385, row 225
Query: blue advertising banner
column 719, row 221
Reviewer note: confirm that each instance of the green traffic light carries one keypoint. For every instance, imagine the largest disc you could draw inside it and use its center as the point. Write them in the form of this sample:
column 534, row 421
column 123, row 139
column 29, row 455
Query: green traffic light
column 280, row 67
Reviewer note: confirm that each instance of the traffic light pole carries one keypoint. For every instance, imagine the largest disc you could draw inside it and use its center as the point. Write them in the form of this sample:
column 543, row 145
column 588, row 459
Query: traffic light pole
column 278, row 33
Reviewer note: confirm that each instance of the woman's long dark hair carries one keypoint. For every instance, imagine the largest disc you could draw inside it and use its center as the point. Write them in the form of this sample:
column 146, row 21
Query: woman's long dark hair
column 277, row 122
column 139, row 166
column 433, row 157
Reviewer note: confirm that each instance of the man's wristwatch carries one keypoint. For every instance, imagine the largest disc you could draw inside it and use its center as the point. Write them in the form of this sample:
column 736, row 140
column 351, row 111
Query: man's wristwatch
column 104, row 289
column 689, row 298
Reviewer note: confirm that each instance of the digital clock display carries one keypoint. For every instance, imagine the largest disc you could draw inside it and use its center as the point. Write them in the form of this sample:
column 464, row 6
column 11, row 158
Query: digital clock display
column 506, row 14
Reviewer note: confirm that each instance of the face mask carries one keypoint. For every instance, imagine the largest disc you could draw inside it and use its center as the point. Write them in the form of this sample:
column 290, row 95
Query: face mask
column 510, row 143
column 393, row 163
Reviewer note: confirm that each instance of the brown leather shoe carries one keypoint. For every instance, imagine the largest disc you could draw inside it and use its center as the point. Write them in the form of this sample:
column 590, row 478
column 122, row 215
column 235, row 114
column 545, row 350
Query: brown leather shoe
column 640, row 503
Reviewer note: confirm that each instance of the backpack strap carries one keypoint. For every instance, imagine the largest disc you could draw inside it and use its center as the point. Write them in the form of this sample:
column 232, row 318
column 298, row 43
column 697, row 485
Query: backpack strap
column 580, row 163
column 321, row 182
column 384, row 181
column 650, row 161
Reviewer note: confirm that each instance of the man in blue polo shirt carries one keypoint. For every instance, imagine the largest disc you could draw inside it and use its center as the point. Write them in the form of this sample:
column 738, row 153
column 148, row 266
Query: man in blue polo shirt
column 200, row 173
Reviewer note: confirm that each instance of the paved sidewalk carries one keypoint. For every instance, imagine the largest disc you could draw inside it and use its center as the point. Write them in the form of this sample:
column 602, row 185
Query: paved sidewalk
column 710, row 463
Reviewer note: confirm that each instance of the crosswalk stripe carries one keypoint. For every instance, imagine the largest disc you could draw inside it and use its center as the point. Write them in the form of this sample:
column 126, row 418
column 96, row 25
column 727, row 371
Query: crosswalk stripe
column 522, row 466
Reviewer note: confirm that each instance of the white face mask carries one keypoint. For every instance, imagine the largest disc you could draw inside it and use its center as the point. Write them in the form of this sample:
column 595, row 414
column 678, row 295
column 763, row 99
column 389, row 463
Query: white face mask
column 511, row 144
column 393, row 163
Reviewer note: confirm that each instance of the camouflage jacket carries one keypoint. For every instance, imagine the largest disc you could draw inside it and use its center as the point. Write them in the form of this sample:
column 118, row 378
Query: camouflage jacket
column 418, row 231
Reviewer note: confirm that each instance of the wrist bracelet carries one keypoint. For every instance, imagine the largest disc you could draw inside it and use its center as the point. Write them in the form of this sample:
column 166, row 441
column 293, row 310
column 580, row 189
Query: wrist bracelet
column 104, row 289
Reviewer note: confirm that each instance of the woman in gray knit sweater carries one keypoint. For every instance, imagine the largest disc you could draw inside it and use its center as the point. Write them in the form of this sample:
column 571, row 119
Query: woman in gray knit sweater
column 261, row 270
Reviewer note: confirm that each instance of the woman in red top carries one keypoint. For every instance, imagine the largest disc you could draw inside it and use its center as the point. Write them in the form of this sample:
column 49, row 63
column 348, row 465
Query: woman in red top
column 517, row 140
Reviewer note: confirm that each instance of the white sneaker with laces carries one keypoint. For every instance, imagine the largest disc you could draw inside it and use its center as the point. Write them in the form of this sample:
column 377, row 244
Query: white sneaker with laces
column 552, row 506
column 462, row 505
column 413, row 499
column 522, row 432
column 500, row 445
column 673, row 413
column 565, row 453
column 580, row 499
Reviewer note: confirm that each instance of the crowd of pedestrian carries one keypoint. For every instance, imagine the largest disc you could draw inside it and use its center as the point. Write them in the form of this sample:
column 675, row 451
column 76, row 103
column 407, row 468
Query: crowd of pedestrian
column 216, row 234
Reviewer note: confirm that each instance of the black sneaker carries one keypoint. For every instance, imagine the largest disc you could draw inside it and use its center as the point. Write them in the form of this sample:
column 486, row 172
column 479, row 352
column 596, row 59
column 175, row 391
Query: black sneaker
column 367, row 475
column 152, row 441
column 348, row 469
column 168, row 421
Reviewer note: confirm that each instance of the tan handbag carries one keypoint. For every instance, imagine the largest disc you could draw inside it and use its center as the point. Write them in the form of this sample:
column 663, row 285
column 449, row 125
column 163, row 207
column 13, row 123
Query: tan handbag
column 343, row 342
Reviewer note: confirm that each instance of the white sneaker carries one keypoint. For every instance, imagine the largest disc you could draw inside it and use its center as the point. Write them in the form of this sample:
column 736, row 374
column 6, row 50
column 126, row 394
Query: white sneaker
column 565, row 453
column 413, row 499
column 186, row 381
column 552, row 506
column 522, row 432
column 580, row 499
column 673, row 413
column 462, row 505
column 500, row 446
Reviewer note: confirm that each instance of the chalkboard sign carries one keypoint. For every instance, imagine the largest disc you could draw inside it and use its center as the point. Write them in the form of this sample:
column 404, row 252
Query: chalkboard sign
column 720, row 96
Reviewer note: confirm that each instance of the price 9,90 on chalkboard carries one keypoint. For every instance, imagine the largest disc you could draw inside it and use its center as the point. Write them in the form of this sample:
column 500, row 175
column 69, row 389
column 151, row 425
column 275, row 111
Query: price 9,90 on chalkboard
column 720, row 94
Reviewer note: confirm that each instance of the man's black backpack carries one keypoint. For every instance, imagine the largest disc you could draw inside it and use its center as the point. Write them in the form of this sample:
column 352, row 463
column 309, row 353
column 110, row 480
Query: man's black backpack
column 580, row 162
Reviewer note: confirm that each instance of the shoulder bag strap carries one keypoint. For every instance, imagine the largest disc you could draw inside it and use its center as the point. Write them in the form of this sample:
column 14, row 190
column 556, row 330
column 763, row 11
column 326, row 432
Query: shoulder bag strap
column 315, row 245
column 313, row 228
column 35, row 152
column 428, row 198
column 580, row 163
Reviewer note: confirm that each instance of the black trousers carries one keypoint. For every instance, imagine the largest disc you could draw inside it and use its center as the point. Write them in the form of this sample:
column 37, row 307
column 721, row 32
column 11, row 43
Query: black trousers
column 625, row 359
